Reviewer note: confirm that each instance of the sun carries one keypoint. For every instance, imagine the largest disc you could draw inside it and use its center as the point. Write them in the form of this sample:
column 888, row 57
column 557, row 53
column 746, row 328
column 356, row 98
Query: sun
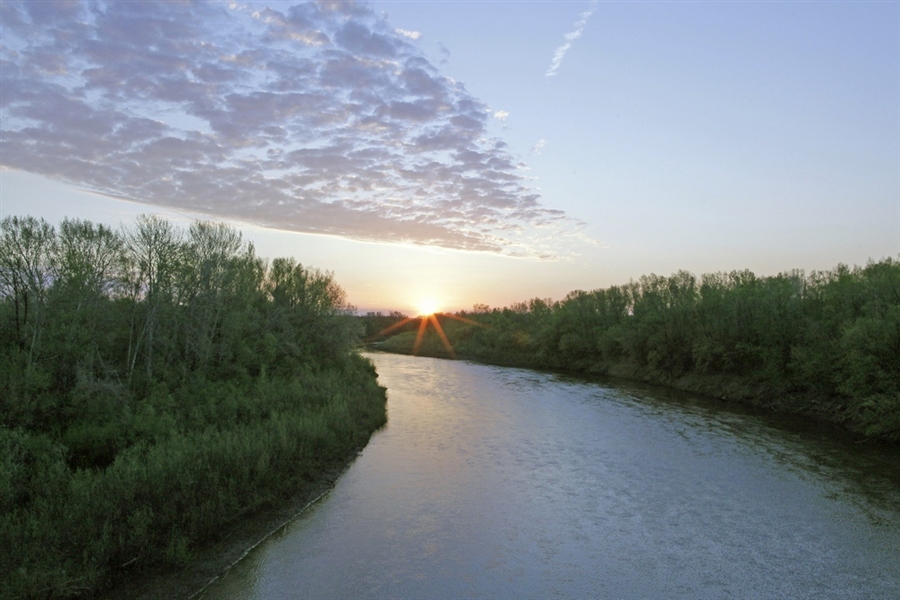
column 428, row 316
column 427, row 307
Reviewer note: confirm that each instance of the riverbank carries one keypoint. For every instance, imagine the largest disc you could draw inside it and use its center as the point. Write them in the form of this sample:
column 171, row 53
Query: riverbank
column 742, row 390
column 834, row 411
column 824, row 345
column 216, row 557
column 151, row 400
column 159, row 512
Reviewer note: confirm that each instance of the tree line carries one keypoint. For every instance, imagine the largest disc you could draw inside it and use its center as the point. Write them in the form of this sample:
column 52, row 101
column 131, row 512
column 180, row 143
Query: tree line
column 826, row 344
column 156, row 382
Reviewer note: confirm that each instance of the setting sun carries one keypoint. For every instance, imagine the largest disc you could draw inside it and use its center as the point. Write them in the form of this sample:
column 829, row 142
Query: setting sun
column 427, row 307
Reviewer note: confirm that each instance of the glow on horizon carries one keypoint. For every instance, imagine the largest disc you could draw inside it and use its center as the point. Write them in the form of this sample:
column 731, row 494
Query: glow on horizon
column 428, row 307
column 698, row 136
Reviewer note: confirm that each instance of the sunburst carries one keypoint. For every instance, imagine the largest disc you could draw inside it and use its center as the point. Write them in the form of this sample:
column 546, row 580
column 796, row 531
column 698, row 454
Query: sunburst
column 425, row 320
column 427, row 307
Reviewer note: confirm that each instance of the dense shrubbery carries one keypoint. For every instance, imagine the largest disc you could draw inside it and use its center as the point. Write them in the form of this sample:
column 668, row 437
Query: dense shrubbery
column 155, row 384
column 826, row 344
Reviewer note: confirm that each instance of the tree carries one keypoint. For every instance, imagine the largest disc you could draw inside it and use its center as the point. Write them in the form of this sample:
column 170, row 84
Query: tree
column 310, row 314
column 27, row 253
column 205, row 287
column 154, row 253
column 88, row 272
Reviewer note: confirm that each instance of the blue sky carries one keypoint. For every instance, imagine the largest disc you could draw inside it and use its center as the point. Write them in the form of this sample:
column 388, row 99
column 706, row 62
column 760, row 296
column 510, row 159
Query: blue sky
column 471, row 152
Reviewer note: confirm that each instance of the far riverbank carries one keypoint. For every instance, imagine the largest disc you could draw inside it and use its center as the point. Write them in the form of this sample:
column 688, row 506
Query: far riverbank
column 726, row 389
column 825, row 345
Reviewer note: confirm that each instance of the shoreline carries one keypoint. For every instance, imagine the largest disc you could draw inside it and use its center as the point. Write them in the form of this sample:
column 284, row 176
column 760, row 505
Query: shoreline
column 728, row 389
column 214, row 558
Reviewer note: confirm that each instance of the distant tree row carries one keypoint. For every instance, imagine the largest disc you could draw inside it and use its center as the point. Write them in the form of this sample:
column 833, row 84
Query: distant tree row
column 825, row 344
column 138, row 364
column 377, row 325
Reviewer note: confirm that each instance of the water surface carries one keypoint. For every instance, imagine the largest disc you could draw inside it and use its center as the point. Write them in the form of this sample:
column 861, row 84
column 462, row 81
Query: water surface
column 493, row 482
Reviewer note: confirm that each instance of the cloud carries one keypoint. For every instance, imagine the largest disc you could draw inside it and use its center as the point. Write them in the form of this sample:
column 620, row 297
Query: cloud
column 538, row 146
column 318, row 117
column 413, row 35
column 570, row 37
column 501, row 115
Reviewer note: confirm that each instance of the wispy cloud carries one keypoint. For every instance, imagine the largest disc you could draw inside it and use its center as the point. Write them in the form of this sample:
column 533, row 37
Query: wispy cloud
column 413, row 35
column 318, row 117
column 538, row 146
column 501, row 115
column 570, row 37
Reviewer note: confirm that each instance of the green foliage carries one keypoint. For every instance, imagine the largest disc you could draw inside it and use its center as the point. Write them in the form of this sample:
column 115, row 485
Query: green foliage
column 825, row 344
column 377, row 326
column 155, row 385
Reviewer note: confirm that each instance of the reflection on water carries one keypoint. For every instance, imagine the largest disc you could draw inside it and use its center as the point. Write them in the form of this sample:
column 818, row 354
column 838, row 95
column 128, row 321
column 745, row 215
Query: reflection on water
column 504, row 483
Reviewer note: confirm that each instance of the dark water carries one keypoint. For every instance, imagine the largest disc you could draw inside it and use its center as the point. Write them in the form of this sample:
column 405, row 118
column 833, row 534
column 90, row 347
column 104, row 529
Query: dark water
column 504, row 483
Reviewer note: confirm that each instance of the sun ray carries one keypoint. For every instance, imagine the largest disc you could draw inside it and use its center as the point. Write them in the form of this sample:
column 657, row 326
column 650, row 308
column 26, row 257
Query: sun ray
column 423, row 329
column 396, row 325
column 423, row 325
column 440, row 331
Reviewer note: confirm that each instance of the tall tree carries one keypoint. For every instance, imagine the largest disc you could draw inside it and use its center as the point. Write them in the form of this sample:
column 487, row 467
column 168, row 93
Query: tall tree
column 27, row 267
column 89, row 271
column 154, row 254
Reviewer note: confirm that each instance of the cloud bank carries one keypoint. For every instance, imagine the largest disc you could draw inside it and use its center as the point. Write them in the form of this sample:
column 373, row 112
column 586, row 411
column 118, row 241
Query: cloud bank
column 318, row 117
column 570, row 37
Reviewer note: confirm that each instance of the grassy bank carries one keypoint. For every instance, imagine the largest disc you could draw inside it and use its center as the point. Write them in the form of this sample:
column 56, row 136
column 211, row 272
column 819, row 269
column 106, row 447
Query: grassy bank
column 825, row 345
column 155, row 504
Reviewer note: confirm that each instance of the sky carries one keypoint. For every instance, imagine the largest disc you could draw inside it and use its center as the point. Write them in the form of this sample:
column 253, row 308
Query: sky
column 467, row 152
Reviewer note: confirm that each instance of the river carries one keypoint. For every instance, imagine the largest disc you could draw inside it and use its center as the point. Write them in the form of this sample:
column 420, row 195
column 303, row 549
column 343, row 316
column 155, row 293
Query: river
column 492, row 482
